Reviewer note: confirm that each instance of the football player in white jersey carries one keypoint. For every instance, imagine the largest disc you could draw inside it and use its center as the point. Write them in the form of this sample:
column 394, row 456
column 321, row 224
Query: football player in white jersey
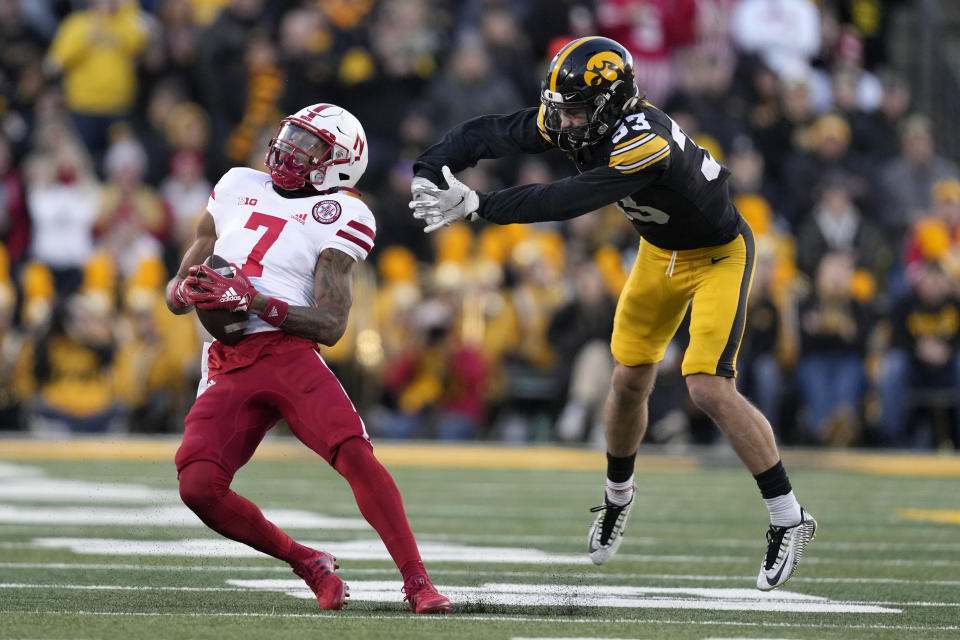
column 292, row 236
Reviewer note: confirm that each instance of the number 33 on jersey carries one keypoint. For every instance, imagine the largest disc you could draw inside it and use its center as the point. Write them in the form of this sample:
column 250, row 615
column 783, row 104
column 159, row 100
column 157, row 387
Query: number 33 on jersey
column 276, row 240
column 687, row 204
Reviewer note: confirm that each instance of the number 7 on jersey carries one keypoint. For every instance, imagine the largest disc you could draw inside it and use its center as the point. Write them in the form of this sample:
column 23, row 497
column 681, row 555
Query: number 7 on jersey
column 252, row 267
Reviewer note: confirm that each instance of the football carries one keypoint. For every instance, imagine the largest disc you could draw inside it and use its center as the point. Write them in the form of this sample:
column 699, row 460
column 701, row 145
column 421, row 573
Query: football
column 225, row 326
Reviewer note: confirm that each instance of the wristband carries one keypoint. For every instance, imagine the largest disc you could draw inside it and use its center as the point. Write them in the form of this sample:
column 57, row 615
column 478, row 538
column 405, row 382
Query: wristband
column 275, row 312
column 175, row 299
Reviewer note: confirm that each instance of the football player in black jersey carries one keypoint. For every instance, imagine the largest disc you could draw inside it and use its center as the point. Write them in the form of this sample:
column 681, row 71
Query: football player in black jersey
column 695, row 249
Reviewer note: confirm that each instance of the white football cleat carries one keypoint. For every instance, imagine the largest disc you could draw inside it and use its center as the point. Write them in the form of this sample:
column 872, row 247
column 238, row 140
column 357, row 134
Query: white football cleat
column 785, row 547
column 606, row 534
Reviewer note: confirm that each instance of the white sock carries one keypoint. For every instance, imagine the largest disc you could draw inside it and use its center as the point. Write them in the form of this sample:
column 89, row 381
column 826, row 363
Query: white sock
column 784, row 510
column 620, row 493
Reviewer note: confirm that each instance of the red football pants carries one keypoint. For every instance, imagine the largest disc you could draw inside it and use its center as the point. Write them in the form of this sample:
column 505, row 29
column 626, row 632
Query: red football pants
column 230, row 419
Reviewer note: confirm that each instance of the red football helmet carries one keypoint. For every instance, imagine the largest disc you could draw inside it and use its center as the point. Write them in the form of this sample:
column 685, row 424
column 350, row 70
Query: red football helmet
column 322, row 145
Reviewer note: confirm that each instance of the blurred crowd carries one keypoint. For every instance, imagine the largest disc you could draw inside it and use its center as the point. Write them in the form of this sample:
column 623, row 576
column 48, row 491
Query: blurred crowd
column 117, row 117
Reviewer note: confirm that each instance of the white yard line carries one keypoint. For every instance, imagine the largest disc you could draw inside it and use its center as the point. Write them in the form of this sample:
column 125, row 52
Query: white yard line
column 171, row 515
column 546, row 595
column 26, row 518
column 807, row 560
column 373, row 549
column 718, row 542
column 497, row 618
column 71, row 491
column 279, row 568
column 632, row 541
column 113, row 587
column 92, row 566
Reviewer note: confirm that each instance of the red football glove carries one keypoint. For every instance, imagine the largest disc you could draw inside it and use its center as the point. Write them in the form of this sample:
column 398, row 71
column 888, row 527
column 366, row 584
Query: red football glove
column 179, row 295
column 183, row 295
column 186, row 291
column 219, row 292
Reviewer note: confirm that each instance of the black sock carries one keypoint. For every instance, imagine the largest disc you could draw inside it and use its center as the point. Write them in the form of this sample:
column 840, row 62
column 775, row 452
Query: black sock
column 773, row 482
column 620, row 469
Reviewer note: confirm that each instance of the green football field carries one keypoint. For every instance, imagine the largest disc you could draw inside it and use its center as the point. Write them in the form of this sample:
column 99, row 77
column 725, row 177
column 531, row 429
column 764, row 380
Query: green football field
column 103, row 549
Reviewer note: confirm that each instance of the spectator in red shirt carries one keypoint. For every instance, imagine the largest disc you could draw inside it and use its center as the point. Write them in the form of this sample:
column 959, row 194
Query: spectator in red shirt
column 652, row 31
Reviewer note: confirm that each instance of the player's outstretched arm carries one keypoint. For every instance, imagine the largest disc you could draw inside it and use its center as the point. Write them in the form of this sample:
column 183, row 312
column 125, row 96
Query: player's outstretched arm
column 561, row 199
column 485, row 137
column 326, row 320
column 202, row 248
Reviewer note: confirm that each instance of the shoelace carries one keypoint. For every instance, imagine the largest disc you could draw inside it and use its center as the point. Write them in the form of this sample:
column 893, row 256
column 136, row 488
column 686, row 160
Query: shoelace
column 608, row 525
column 414, row 587
column 306, row 570
column 775, row 545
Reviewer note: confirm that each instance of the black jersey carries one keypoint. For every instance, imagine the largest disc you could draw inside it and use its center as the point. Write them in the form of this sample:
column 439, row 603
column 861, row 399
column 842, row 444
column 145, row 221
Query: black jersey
column 671, row 189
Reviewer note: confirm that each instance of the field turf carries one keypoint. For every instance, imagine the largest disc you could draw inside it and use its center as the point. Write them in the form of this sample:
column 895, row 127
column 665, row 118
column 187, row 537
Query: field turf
column 95, row 544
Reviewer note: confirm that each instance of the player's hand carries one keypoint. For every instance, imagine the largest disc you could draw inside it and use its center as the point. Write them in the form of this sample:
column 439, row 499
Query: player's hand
column 214, row 291
column 189, row 289
column 421, row 188
column 180, row 295
column 424, row 195
column 439, row 207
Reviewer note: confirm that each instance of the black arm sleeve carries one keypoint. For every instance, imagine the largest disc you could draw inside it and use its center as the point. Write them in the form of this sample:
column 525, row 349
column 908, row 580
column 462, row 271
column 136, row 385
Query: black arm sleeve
column 562, row 199
column 482, row 138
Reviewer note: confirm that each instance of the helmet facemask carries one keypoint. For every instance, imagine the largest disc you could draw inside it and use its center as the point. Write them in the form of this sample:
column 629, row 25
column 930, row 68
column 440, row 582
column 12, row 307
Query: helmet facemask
column 579, row 122
column 575, row 122
column 298, row 157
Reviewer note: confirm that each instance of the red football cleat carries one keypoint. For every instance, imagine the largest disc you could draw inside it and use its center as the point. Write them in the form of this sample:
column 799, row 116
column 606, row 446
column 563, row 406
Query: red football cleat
column 423, row 596
column 318, row 573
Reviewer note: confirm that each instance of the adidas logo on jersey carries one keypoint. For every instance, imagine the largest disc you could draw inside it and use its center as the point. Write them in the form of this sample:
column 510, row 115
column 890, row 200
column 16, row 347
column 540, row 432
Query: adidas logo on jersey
column 230, row 296
column 300, row 217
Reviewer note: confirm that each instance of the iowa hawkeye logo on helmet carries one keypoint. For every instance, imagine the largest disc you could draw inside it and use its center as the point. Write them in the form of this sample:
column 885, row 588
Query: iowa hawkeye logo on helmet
column 605, row 65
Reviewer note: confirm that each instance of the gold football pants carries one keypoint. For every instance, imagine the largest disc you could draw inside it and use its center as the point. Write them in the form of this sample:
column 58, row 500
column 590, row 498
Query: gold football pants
column 662, row 284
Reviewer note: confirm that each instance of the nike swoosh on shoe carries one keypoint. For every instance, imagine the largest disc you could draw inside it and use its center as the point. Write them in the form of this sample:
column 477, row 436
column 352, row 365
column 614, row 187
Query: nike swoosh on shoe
column 777, row 576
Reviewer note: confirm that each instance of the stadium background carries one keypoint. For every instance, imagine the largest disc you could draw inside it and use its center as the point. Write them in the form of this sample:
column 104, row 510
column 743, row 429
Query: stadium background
column 835, row 117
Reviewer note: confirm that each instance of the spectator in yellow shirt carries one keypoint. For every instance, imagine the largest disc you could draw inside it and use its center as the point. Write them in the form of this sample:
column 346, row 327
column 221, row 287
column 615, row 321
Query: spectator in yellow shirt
column 95, row 50
column 72, row 365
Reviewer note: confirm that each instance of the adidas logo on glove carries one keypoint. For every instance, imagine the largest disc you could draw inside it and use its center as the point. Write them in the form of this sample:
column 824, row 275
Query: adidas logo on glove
column 230, row 296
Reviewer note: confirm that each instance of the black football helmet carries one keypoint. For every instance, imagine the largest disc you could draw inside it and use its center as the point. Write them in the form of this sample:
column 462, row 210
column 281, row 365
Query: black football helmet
column 592, row 80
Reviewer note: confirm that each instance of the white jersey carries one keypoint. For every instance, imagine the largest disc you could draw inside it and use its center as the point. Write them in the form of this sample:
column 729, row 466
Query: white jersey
column 276, row 241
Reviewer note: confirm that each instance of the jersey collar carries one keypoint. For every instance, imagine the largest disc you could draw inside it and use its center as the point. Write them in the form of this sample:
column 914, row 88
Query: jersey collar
column 311, row 193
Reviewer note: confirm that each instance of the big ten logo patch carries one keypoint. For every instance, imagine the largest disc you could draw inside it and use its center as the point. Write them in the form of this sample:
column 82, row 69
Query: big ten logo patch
column 326, row 211
column 244, row 201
